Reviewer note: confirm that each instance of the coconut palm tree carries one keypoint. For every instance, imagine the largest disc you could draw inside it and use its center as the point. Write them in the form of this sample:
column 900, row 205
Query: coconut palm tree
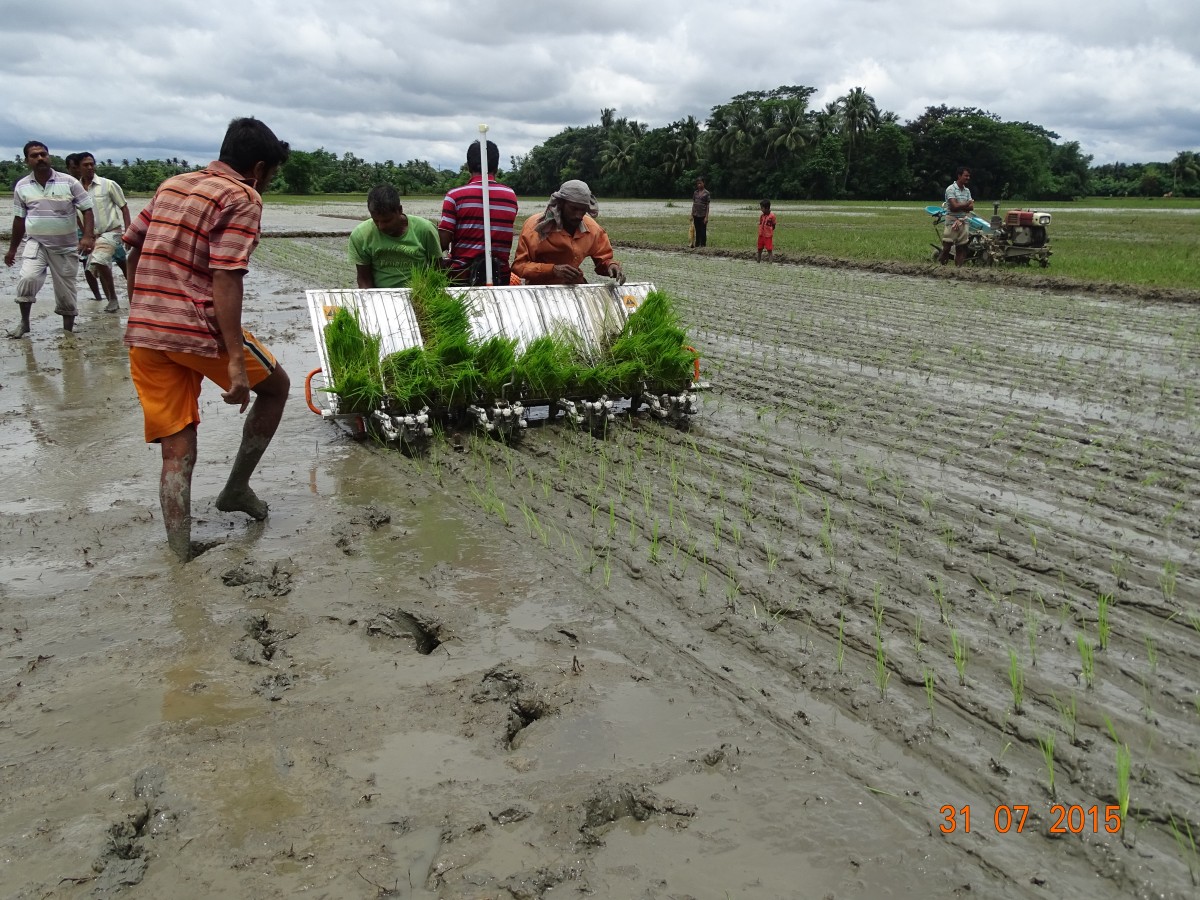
column 859, row 116
column 683, row 147
column 1184, row 167
column 793, row 127
column 616, row 153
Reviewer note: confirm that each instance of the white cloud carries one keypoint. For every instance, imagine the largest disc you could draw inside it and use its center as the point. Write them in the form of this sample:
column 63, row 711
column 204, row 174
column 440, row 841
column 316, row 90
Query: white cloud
column 403, row 81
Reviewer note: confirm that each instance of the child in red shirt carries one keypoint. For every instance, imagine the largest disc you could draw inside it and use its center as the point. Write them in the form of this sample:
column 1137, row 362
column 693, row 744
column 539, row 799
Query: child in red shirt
column 766, row 230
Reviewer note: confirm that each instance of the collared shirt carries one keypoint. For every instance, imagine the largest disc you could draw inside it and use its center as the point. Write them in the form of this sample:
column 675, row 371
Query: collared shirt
column 538, row 254
column 962, row 195
column 197, row 223
column 108, row 200
column 462, row 216
column 700, row 203
column 49, row 210
column 766, row 225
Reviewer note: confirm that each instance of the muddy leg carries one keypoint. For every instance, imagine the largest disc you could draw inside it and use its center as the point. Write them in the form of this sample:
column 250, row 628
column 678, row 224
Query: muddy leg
column 261, row 422
column 945, row 257
column 105, row 276
column 175, row 489
column 22, row 329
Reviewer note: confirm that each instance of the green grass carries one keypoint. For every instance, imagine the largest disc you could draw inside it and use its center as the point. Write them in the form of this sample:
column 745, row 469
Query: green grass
column 1153, row 243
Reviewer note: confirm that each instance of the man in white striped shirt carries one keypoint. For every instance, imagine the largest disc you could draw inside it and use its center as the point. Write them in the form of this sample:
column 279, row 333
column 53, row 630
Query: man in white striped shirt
column 45, row 206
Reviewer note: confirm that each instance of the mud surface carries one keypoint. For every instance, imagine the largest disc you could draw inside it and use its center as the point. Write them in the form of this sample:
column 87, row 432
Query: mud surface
column 703, row 663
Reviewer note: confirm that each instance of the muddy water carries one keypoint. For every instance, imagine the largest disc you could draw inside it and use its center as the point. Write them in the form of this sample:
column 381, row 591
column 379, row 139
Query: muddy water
column 661, row 664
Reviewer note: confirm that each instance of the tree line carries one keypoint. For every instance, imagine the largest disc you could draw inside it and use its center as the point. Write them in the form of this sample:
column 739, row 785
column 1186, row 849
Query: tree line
column 774, row 144
column 758, row 144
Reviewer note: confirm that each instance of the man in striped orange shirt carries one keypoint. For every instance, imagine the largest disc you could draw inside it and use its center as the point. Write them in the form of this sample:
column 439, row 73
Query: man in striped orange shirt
column 191, row 250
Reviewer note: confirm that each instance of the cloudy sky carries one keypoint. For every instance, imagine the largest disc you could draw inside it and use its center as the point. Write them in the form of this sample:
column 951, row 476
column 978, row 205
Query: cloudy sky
column 412, row 79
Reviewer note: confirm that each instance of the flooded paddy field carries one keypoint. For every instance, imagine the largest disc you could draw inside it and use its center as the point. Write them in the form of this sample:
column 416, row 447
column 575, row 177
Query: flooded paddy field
column 928, row 552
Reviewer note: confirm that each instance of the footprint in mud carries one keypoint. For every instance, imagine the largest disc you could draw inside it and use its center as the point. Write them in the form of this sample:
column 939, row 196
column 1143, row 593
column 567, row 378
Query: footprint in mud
column 123, row 861
column 262, row 643
column 261, row 580
column 371, row 517
column 526, row 703
column 426, row 634
column 636, row 801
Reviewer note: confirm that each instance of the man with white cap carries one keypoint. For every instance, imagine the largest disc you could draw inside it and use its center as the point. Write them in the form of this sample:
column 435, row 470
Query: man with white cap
column 554, row 244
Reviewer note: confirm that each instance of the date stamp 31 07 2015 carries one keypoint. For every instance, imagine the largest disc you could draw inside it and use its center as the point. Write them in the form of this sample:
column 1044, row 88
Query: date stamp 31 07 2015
column 1007, row 819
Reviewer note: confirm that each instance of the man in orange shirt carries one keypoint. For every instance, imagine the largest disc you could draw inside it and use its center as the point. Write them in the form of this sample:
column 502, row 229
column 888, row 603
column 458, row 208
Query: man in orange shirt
column 554, row 244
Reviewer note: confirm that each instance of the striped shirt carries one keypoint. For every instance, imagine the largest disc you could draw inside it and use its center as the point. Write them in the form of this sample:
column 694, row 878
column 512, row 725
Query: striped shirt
column 197, row 222
column 49, row 210
column 109, row 200
column 462, row 217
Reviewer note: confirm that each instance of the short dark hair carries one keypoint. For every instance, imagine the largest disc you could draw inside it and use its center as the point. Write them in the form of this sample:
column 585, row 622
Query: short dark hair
column 249, row 141
column 766, row 203
column 473, row 158
column 80, row 156
column 29, row 144
column 958, row 171
column 71, row 158
column 384, row 200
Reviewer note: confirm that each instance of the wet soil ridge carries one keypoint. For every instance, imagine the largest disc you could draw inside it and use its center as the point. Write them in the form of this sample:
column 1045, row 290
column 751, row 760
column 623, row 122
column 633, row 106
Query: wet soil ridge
column 399, row 624
column 960, row 518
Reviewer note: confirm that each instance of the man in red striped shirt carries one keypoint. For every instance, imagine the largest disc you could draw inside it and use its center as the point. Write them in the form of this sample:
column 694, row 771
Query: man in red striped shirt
column 461, row 225
column 191, row 250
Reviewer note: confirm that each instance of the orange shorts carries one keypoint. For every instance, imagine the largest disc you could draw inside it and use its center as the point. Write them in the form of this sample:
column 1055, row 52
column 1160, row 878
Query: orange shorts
column 168, row 383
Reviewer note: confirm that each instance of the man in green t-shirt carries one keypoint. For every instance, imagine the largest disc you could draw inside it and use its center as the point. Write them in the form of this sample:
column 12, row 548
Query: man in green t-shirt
column 387, row 247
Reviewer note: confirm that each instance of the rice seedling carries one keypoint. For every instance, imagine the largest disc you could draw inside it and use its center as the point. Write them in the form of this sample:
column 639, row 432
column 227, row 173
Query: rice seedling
column 1187, row 847
column 1124, row 768
column 1103, row 626
column 840, row 653
column 1167, row 580
column 1016, row 680
column 1069, row 713
column 882, row 675
column 1087, row 658
column 1151, row 654
column 918, row 647
column 939, row 596
column 930, row 690
column 1046, row 743
column 607, row 567
column 703, row 586
column 732, row 590
column 960, row 650
column 353, row 363
column 654, row 548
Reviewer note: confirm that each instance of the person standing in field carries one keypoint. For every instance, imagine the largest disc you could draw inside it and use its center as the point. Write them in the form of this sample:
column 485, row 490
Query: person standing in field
column 72, row 161
column 112, row 221
column 190, row 251
column 387, row 247
column 766, row 230
column 553, row 244
column 45, row 206
column 461, row 226
column 701, row 200
column 956, row 232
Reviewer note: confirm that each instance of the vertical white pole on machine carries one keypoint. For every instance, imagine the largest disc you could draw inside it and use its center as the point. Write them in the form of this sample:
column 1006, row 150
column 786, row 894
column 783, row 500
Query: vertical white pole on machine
column 487, row 209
